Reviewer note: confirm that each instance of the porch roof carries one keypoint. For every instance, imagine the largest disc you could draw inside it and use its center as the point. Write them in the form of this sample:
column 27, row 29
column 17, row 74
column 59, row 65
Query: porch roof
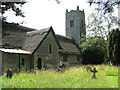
column 19, row 51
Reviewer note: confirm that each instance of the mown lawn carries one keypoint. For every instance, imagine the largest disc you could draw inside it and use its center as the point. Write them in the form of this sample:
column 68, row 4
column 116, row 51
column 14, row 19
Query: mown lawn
column 74, row 77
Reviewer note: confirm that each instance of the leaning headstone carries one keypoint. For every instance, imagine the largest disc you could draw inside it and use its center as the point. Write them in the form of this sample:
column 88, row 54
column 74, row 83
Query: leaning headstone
column 94, row 71
column 88, row 69
column 101, row 68
column 60, row 68
column 9, row 73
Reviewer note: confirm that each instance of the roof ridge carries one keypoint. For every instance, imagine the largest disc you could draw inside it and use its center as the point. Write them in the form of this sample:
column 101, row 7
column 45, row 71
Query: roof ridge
column 37, row 32
column 19, row 26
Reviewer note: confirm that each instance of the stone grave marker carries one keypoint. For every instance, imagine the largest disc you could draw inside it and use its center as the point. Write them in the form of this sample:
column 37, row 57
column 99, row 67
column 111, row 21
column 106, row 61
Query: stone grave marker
column 9, row 73
column 88, row 69
column 94, row 71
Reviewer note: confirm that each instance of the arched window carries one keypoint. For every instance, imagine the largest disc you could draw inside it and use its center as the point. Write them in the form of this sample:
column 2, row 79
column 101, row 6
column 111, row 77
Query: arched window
column 23, row 61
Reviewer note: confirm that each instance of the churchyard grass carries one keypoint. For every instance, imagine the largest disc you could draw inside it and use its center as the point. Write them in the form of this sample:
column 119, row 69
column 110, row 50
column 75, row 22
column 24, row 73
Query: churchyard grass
column 0, row 82
column 74, row 77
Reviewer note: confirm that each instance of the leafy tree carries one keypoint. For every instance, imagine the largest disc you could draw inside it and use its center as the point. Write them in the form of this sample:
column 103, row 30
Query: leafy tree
column 93, row 50
column 114, row 46
column 106, row 5
column 100, row 24
column 110, row 46
column 5, row 6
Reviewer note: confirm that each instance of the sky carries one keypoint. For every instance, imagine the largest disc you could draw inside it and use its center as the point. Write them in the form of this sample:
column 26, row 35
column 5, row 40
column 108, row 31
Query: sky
column 41, row 14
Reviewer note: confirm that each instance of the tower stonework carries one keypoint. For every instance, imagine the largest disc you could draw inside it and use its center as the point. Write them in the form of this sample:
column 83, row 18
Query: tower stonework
column 75, row 24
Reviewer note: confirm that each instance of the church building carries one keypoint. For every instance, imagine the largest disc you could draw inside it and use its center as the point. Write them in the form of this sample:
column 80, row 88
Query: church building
column 27, row 48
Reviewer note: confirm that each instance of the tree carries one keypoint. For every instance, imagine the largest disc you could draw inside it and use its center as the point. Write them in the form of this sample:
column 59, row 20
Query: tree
column 114, row 46
column 5, row 6
column 100, row 24
column 93, row 50
column 108, row 5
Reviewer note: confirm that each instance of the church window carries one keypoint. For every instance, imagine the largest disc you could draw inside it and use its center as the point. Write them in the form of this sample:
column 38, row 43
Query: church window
column 23, row 62
column 50, row 49
column 72, row 23
column 65, row 58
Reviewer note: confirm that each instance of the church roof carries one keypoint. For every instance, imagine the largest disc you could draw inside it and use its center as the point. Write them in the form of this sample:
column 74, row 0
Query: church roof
column 13, row 36
column 68, row 45
column 34, row 38
column 28, row 39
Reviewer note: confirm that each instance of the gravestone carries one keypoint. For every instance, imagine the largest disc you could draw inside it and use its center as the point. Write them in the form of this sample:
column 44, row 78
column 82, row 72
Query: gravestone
column 61, row 68
column 94, row 71
column 9, row 73
column 101, row 68
column 88, row 69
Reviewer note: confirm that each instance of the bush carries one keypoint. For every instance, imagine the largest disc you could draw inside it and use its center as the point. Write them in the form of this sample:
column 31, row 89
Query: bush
column 93, row 50
column 114, row 46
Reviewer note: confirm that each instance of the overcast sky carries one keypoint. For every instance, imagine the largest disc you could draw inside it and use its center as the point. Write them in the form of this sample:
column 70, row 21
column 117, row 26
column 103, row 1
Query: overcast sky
column 45, row 13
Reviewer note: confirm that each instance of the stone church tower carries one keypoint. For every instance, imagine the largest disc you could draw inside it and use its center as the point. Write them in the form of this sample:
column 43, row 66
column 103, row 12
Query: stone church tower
column 75, row 24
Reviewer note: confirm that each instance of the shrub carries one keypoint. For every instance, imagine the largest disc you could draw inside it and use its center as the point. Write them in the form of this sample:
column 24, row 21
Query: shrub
column 114, row 46
column 93, row 50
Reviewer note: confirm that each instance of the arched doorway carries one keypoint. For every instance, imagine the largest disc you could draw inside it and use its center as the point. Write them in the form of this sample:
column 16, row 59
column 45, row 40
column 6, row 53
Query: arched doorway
column 39, row 63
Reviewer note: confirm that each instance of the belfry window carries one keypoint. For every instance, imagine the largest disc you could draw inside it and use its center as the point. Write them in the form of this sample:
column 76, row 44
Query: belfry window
column 50, row 49
column 72, row 23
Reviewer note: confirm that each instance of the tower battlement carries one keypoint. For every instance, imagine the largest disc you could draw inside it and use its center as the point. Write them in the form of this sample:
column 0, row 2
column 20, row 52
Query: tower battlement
column 77, row 10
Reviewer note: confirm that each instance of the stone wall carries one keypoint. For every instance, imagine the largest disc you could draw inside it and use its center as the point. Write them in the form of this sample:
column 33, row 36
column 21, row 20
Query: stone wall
column 11, row 61
column 27, row 59
column 48, row 60
column 72, row 59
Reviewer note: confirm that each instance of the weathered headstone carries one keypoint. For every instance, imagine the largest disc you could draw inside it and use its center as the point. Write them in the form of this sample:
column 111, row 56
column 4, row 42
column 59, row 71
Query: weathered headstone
column 61, row 68
column 94, row 71
column 101, row 68
column 9, row 73
column 88, row 69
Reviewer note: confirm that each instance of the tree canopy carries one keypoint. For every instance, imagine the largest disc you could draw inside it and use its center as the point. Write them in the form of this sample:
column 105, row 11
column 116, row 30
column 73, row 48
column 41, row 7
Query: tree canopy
column 100, row 24
column 114, row 46
column 5, row 6
column 93, row 50
column 107, row 5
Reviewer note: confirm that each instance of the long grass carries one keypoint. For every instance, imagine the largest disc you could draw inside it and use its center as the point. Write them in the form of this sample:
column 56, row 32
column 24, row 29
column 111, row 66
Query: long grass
column 74, row 77
column 0, row 83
